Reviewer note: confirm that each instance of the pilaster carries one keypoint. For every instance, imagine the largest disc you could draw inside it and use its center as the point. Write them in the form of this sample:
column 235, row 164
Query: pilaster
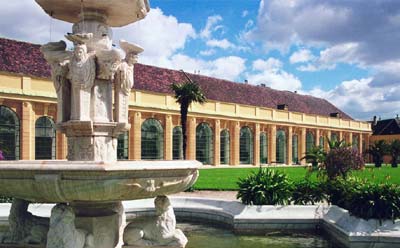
column 235, row 149
column 256, row 150
column 340, row 135
column 317, row 136
column 168, row 137
column 61, row 146
column 328, row 137
column 191, row 139
column 302, row 145
column 360, row 142
column 137, row 134
column 290, row 146
column 28, row 132
column 272, row 144
column 217, row 143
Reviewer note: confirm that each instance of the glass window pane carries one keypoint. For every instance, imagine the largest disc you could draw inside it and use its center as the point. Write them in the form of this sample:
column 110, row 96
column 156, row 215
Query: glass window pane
column 123, row 146
column 246, row 146
column 224, row 147
column 204, row 144
column 9, row 133
column 45, row 138
column 263, row 148
column 295, row 149
column 177, row 143
column 310, row 142
column 152, row 140
column 281, row 147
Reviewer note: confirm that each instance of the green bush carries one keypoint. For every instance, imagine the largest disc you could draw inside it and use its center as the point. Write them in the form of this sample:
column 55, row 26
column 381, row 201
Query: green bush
column 4, row 199
column 265, row 187
column 307, row 192
column 340, row 161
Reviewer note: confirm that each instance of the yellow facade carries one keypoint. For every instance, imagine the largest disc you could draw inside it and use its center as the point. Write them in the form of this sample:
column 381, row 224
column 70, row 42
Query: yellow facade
column 32, row 98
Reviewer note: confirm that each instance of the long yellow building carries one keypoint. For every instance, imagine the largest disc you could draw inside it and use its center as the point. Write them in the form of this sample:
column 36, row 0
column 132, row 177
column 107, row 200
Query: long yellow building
column 240, row 123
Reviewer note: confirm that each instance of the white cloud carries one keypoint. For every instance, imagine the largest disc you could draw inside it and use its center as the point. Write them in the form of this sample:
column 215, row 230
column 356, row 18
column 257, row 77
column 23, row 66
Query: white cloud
column 361, row 100
column 270, row 73
column 210, row 26
column 301, row 56
column 228, row 68
column 208, row 52
column 150, row 33
column 223, row 44
column 245, row 13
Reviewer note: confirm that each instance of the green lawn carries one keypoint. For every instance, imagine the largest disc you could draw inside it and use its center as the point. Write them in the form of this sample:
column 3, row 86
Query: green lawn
column 226, row 178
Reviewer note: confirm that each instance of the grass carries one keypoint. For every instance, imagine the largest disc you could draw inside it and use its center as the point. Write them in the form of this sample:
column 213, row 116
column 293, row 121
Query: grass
column 226, row 178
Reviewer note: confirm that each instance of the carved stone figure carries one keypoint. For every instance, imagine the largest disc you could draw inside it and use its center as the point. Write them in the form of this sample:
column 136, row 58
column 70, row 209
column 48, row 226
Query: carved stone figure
column 157, row 231
column 58, row 58
column 82, row 72
column 63, row 233
column 25, row 228
column 124, row 80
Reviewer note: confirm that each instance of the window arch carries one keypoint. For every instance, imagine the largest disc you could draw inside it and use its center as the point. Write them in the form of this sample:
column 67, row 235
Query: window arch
column 263, row 148
column 204, row 142
column 177, row 143
column 45, row 138
column 295, row 149
column 310, row 141
column 281, row 147
column 152, row 140
column 224, row 147
column 9, row 133
column 246, row 146
column 334, row 137
column 123, row 146
column 356, row 141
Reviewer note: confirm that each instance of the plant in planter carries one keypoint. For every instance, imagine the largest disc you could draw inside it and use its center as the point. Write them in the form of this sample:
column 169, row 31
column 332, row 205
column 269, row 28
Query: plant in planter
column 316, row 155
column 265, row 187
column 394, row 150
column 308, row 192
column 377, row 151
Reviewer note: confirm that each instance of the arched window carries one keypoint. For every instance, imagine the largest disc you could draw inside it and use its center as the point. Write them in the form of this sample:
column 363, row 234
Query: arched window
column 246, row 146
column 45, row 138
column 177, row 143
column 281, row 147
column 263, row 148
column 334, row 137
column 224, row 147
column 295, row 149
column 123, row 146
column 310, row 141
column 152, row 140
column 356, row 141
column 9, row 133
column 322, row 142
column 204, row 143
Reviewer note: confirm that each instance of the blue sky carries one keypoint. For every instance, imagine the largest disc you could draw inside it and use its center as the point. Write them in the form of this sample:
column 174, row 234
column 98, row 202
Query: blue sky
column 344, row 51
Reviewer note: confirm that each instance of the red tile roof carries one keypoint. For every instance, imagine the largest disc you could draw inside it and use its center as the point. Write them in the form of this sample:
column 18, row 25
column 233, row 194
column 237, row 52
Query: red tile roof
column 26, row 59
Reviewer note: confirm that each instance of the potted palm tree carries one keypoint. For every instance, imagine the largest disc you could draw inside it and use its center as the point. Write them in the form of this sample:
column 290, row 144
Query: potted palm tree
column 377, row 150
column 185, row 94
column 394, row 149
column 316, row 155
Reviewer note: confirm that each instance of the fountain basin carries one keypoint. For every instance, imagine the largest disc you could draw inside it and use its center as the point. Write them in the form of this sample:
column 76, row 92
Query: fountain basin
column 78, row 181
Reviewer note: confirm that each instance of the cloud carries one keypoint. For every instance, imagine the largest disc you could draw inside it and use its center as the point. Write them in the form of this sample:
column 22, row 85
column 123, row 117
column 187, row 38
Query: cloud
column 211, row 26
column 150, row 33
column 270, row 73
column 301, row 56
column 208, row 52
column 228, row 68
column 245, row 13
column 223, row 44
column 361, row 100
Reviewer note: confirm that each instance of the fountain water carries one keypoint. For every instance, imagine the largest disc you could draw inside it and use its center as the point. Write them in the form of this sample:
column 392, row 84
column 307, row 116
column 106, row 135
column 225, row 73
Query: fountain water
column 89, row 187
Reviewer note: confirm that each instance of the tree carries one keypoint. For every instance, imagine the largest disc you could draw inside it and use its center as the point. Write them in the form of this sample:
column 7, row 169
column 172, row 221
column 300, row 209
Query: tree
column 186, row 94
column 377, row 151
column 332, row 143
column 394, row 149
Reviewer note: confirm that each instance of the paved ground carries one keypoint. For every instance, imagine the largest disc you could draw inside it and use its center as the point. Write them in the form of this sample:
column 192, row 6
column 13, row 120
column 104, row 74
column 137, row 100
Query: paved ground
column 221, row 195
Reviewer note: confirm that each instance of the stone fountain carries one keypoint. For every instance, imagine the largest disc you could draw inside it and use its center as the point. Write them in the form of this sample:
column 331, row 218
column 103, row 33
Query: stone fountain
column 93, row 84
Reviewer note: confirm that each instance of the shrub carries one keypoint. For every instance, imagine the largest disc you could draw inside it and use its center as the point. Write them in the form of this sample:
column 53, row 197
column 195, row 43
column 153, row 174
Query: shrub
column 265, row 187
column 341, row 160
column 1, row 155
column 307, row 192
column 377, row 150
column 363, row 199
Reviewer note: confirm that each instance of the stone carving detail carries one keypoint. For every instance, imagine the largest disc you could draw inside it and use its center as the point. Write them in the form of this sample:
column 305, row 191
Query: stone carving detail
column 82, row 72
column 25, row 228
column 63, row 233
column 124, row 80
column 157, row 231
column 58, row 58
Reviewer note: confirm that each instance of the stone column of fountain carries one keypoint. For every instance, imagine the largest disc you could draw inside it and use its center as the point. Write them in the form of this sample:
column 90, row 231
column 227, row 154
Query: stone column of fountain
column 89, row 187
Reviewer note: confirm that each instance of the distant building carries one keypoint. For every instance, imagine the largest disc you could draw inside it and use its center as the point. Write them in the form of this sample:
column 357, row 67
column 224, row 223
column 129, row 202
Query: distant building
column 240, row 123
